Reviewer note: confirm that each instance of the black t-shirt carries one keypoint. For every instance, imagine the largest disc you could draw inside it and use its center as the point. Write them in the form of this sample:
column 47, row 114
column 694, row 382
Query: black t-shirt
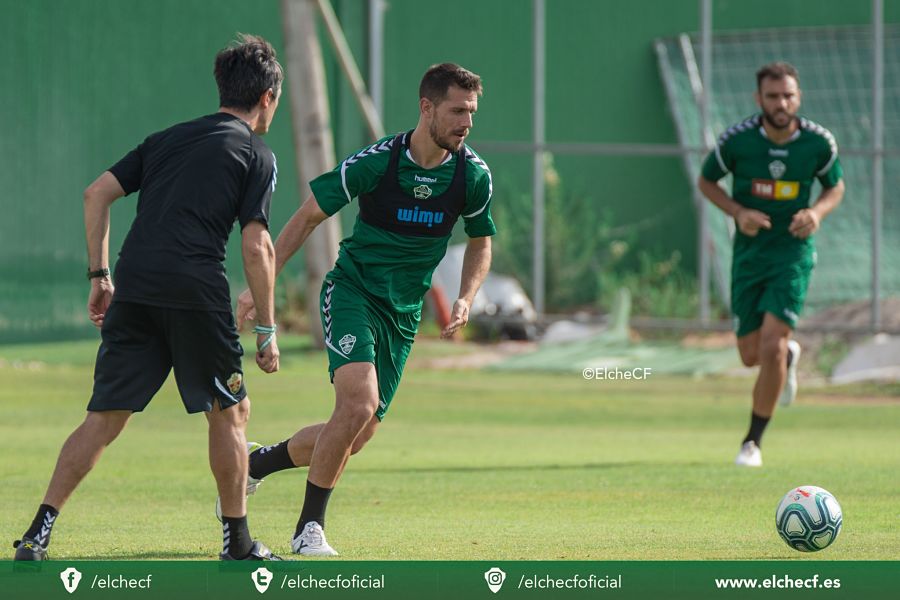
column 195, row 179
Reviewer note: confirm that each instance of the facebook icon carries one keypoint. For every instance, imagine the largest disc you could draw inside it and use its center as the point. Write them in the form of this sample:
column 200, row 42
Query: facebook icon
column 71, row 577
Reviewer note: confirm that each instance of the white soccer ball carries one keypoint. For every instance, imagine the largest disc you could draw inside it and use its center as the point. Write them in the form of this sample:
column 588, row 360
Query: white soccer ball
column 809, row 518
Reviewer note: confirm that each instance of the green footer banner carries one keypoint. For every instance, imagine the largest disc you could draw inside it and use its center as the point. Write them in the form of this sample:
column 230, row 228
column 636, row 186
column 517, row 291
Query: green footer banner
column 171, row 580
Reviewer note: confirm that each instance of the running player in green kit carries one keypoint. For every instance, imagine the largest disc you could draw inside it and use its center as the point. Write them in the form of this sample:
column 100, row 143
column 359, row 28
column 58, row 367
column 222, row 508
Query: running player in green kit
column 773, row 157
column 412, row 188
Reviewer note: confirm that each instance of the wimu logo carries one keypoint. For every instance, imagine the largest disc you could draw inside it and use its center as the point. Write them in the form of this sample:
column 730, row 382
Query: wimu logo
column 415, row 215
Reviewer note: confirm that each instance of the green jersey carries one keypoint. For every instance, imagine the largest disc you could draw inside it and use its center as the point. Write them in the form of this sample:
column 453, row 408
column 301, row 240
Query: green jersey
column 775, row 179
column 384, row 258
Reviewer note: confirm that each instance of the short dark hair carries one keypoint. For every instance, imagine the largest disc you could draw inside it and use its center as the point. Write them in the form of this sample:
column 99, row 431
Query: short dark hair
column 438, row 79
column 776, row 70
column 245, row 70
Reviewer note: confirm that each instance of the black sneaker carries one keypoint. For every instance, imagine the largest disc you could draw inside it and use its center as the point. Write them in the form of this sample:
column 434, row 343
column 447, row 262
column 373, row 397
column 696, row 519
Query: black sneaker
column 257, row 552
column 28, row 549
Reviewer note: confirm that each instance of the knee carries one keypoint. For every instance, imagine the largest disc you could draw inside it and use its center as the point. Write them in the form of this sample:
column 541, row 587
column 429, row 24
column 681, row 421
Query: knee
column 235, row 416
column 363, row 438
column 358, row 413
column 749, row 356
column 773, row 349
column 358, row 445
column 242, row 412
column 106, row 425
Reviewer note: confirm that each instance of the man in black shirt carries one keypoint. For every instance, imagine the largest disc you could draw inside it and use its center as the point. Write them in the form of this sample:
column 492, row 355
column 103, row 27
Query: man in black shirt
column 172, row 306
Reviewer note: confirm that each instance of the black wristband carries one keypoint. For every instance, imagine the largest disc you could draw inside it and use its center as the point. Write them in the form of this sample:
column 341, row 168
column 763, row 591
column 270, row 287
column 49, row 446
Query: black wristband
column 104, row 272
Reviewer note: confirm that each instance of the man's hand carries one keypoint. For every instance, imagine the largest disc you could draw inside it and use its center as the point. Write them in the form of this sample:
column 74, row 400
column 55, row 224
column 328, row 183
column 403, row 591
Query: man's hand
column 804, row 223
column 267, row 359
column 750, row 221
column 458, row 318
column 246, row 309
column 99, row 299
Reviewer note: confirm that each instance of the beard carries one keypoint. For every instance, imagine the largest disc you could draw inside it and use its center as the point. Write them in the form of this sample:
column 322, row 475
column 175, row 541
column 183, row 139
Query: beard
column 443, row 142
column 770, row 119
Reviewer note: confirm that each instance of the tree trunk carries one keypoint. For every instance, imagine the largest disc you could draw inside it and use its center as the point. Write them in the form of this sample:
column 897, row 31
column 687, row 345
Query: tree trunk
column 313, row 140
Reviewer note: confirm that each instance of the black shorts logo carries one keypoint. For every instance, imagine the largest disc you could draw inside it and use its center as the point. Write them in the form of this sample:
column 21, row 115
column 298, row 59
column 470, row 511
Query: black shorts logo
column 234, row 382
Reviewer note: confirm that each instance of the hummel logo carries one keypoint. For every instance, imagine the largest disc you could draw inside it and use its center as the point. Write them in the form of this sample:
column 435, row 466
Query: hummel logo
column 45, row 528
column 426, row 179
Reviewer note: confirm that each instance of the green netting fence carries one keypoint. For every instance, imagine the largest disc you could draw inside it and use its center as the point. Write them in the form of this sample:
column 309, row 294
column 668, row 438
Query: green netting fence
column 835, row 65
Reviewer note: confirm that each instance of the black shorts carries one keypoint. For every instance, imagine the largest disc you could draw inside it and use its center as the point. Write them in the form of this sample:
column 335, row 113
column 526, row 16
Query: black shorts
column 142, row 343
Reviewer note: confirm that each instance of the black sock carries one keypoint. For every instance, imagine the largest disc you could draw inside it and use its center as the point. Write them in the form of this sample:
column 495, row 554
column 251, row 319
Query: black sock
column 236, row 536
column 270, row 459
column 314, row 506
column 42, row 525
column 757, row 427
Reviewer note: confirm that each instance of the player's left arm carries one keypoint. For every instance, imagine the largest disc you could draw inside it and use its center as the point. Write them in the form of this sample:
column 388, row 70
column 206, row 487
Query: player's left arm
column 807, row 221
column 98, row 197
column 476, row 264
column 477, row 258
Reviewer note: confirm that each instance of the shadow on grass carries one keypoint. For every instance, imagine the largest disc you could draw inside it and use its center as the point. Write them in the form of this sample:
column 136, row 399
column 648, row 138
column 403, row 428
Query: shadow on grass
column 178, row 555
column 525, row 468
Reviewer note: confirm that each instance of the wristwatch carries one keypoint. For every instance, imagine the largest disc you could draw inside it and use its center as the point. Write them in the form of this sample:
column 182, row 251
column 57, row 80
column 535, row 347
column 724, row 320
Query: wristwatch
column 104, row 272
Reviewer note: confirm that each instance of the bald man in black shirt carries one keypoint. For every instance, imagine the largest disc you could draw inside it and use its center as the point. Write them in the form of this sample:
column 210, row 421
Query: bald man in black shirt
column 171, row 307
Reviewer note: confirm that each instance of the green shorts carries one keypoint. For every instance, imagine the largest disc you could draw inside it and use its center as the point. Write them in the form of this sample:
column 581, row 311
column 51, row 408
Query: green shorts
column 779, row 289
column 358, row 329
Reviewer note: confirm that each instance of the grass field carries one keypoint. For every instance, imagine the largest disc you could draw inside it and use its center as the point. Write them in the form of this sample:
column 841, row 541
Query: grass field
column 467, row 465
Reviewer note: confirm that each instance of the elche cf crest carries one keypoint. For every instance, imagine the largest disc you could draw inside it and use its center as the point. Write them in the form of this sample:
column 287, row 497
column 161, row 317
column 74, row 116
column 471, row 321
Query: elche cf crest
column 346, row 343
column 234, row 382
column 422, row 192
column 777, row 169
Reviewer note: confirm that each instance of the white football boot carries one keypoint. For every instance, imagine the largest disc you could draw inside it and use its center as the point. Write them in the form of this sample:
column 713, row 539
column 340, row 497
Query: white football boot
column 252, row 483
column 749, row 456
column 790, row 383
column 311, row 542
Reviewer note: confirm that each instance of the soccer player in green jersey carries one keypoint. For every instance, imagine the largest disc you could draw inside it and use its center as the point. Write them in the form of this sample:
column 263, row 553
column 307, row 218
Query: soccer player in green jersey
column 412, row 187
column 773, row 157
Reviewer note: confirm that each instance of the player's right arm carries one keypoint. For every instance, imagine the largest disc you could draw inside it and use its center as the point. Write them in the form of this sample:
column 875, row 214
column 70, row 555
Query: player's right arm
column 297, row 229
column 717, row 165
column 259, row 269
column 257, row 251
column 98, row 197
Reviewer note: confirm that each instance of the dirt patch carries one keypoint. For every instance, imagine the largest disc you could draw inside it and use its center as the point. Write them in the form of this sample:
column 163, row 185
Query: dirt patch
column 715, row 340
column 845, row 399
column 465, row 355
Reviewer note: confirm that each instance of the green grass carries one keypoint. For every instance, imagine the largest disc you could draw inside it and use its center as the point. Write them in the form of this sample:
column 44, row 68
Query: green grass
column 467, row 465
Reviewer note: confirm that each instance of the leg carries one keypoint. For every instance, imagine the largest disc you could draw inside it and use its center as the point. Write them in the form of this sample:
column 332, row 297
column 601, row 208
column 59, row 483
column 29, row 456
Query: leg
column 132, row 364
column 82, row 451
column 228, row 461
column 228, row 454
column 356, row 400
column 773, row 342
column 302, row 443
column 748, row 348
column 297, row 450
column 77, row 457
column 774, row 337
